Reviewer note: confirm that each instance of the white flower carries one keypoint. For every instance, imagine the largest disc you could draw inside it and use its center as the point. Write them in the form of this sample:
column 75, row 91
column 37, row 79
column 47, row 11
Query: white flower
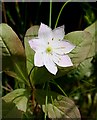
column 50, row 48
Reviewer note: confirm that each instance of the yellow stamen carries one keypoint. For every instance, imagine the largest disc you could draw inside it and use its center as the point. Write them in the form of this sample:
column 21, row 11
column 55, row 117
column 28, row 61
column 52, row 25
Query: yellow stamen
column 49, row 49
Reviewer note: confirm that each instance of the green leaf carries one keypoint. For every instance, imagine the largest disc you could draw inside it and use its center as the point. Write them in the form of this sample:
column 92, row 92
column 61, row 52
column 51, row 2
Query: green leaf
column 31, row 33
column 41, row 75
column 9, row 110
column 92, row 29
column 83, row 70
column 19, row 97
column 58, row 106
column 83, row 41
column 13, row 55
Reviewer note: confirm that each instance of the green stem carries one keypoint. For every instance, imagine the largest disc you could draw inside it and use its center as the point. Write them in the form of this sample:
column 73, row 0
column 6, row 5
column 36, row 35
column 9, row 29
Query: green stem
column 46, row 106
column 59, row 87
column 29, row 77
column 46, row 100
column 50, row 15
column 61, row 12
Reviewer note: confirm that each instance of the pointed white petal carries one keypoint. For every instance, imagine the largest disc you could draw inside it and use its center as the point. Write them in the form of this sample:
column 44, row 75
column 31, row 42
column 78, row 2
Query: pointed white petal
column 37, row 44
column 38, row 59
column 62, row 60
column 63, row 47
column 58, row 33
column 50, row 65
column 68, row 46
column 58, row 47
column 45, row 32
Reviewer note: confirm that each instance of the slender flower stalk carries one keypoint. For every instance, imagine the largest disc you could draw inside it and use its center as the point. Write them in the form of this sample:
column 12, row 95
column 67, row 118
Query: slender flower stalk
column 61, row 12
column 51, row 49
column 50, row 15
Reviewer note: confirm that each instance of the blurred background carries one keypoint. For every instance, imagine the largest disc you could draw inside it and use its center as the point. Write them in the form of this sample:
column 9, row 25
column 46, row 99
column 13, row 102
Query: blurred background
column 81, row 84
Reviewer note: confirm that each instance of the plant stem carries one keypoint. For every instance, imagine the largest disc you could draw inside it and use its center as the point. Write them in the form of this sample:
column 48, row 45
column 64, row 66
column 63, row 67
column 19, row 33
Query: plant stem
column 59, row 87
column 4, row 12
column 61, row 12
column 46, row 100
column 29, row 78
column 50, row 15
column 32, row 87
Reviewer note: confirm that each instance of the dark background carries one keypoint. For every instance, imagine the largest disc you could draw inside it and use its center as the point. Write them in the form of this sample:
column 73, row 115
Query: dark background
column 22, row 15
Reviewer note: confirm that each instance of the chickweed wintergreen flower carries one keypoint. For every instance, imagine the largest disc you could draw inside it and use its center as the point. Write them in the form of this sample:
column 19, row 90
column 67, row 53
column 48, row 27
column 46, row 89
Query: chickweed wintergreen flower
column 51, row 49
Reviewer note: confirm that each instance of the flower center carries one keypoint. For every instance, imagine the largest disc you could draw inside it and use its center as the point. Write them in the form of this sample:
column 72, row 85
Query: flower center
column 48, row 49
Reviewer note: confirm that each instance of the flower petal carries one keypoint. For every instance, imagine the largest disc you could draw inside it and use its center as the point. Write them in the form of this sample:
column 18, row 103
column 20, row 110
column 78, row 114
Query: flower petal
column 37, row 44
column 38, row 59
column 58, row 33
column 45, row 32
column 63, row 47
column 50, row 65
column 62, row 60
column 68, row 46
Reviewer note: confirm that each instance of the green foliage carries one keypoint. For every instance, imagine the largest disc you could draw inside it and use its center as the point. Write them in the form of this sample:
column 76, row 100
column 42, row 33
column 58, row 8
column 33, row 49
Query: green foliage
column 31, row 33
column 92, row 29
column 83, row 42
column 13, row 54
column 89, row 14
column 86, row 65
column 19, row 97
column 84, row 69
column 10, row 110
column 15, row 103
column 57, row 106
